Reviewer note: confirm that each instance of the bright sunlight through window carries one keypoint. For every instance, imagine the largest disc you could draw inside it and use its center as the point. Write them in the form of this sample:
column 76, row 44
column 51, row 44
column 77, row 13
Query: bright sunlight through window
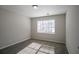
column 46, row 26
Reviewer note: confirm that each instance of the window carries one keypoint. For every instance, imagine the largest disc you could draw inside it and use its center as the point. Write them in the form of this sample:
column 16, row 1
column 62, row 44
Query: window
column 46, row 26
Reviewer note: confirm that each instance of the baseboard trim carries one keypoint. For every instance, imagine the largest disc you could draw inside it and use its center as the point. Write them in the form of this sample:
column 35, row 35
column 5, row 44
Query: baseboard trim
column 14, row 43
column 50, row 41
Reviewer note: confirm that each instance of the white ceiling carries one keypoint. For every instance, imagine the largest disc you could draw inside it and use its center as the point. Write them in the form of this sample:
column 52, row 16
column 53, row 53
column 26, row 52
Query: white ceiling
column 29, row 11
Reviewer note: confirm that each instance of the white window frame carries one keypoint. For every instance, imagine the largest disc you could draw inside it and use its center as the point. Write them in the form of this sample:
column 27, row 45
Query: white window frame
column 41, row 22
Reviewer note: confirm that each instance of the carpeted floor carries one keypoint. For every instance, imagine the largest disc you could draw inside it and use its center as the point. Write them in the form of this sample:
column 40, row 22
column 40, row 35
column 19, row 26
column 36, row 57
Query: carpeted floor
column 33, row 46
column 36, row 48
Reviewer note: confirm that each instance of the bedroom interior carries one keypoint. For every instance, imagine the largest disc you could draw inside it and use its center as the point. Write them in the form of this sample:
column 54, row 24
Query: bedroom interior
column 39, row 29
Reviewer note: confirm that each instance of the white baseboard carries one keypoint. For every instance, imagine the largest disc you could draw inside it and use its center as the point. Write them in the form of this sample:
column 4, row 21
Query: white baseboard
column 13, row 43
column 51, row 41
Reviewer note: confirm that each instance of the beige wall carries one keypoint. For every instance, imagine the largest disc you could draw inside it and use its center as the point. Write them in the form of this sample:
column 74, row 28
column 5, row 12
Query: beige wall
column 60, row 29
column 13, row 28
column 72, row 30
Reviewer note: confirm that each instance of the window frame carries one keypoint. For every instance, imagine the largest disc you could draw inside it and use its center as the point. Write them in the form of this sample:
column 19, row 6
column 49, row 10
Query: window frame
column 48, row 26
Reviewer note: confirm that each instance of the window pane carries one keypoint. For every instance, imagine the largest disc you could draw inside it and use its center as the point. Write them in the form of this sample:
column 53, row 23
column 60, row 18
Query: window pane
column 46, row 26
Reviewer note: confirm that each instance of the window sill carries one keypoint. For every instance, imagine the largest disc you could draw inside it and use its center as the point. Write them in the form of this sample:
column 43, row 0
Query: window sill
column 45, row 33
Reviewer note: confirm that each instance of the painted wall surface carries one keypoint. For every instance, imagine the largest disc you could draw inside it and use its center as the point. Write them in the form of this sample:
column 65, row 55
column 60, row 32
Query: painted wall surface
column 14, row 28
column 72, row 29
column 59, row 36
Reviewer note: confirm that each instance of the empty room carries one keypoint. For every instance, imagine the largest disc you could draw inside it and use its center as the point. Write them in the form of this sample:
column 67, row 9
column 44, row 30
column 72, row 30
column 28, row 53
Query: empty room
column 39, row 29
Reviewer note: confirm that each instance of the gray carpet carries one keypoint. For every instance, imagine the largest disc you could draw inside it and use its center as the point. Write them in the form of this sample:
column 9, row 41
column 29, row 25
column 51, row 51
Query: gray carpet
column 59, row 48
